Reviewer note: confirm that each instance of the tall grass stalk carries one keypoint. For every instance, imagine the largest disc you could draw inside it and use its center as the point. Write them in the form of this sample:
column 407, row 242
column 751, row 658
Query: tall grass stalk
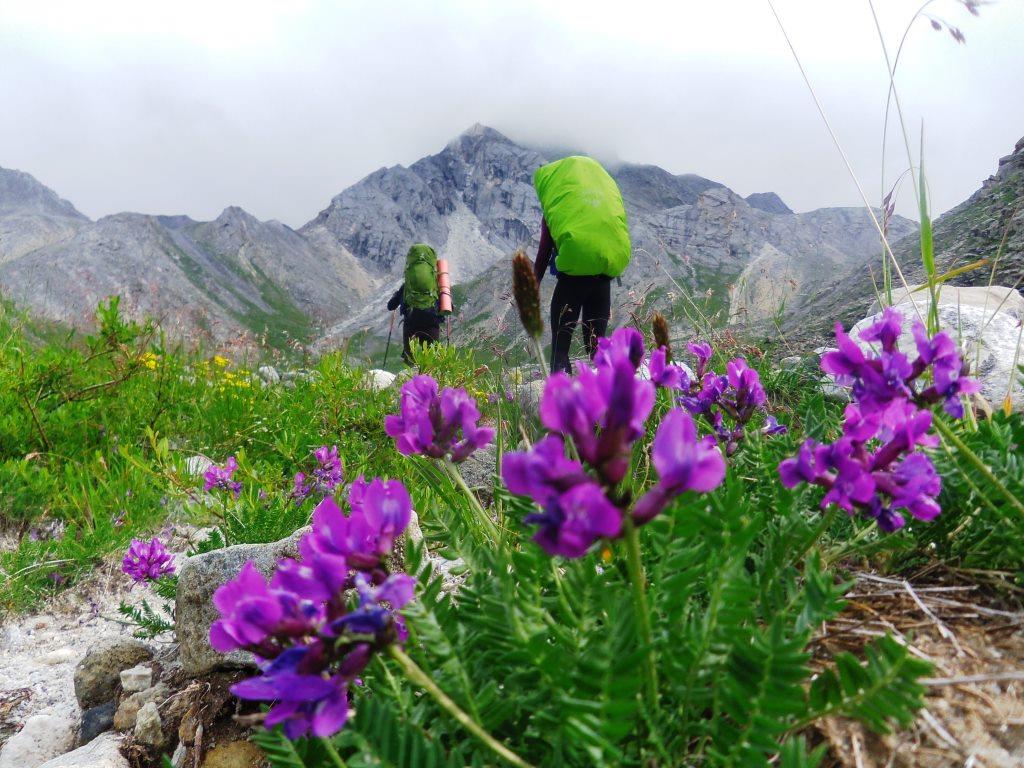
column 422, row 679
column 842, row 154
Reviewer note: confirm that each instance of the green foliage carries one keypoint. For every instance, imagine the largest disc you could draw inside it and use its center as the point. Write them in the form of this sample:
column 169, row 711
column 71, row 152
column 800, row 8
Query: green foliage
column 149, row 621
column 283, row 753
column 978, row 528
column 544, row 654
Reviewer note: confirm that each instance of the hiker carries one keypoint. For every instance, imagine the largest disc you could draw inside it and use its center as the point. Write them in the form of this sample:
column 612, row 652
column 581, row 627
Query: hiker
column 584, row 226
column 419, row 299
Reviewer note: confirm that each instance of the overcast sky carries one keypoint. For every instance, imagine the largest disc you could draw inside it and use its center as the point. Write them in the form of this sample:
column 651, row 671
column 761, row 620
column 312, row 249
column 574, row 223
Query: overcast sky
column 194, row 105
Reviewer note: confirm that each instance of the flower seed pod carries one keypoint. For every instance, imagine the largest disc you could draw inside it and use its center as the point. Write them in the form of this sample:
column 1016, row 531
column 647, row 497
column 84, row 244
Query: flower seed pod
column 660, row 327
column 526, row 292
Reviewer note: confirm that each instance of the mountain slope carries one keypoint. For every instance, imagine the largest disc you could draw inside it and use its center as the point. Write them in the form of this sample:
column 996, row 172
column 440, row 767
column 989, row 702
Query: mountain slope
column 32, row 215
column 695, row 243
column 211, row 281
column 988, row 225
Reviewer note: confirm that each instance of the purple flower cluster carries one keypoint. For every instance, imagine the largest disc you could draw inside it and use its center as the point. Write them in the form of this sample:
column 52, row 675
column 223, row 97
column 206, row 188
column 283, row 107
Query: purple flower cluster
column 326, row 476
column 147, row 560
column 312, row 640
column 738, row 396
column 876, row 467
column 221, row 478
column 602, row 412
column 877, row 380
column 438, row 425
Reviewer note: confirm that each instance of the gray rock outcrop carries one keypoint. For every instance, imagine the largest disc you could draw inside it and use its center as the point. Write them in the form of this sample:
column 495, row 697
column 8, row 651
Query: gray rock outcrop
column 194, row 613
column 102, row 752
column 98, row 675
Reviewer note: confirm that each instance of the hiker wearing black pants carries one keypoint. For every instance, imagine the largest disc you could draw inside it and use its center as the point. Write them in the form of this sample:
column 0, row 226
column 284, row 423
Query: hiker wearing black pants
column 589, row 296
column 584, row 238
column 422, row 324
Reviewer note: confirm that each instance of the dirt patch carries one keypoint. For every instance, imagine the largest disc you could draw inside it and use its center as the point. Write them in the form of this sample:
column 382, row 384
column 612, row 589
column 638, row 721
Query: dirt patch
column 974, row 637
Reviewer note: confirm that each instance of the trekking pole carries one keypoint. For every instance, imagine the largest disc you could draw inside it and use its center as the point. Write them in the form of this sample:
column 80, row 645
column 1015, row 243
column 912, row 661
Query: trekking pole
column 387, row 346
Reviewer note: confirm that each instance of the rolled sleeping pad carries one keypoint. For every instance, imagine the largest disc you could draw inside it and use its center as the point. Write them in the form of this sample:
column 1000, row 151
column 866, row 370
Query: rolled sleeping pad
column 444, row 286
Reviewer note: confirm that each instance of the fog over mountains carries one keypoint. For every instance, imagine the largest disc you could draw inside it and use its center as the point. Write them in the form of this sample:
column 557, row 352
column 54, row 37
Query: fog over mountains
column 236, row 276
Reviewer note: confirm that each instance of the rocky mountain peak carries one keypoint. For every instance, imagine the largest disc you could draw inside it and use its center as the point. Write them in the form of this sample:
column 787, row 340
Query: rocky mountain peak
column 768, row 202
column 20, row 191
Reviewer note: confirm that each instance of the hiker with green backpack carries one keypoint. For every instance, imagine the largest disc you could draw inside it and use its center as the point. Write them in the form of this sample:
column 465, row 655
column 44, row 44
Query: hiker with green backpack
column 418, row 299
column 584, row 225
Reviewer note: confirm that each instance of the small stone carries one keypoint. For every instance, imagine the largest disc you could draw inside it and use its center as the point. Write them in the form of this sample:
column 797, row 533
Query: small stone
column 96, row 720
column 378, row 380
column 43, row 737
column 269, row 374
column 148, row 727
column 98, row 675
column 124, row 718
column 178, row 758
column 136, row 679
column 235, row 754
column 196, row 466
column 59, row 656
column 102, row 752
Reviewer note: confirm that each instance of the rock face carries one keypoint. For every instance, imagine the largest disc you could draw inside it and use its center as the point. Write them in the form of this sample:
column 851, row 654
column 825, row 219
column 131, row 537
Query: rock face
column 97, row 676
column 42, row 737
column 102, row 752
column 473, row 201
column 768, row 202
column 990, row 339
column 988, row 225
column 194, row 612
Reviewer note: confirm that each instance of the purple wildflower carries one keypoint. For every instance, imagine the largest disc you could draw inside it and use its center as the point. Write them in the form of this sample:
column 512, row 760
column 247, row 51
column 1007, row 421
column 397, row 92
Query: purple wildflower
column 625, row 344
column 253, row 612
column 311, row 645
column 684, row 463
column 570, row 523
column 665, row 374
column 221, row 478
column 436, row 425
column 772, row 426
column 304, row 702
column 873, row 482
column 380, row 513
column 147, row 560
column 328, row 474
column 542, row 472
column 702, row 351
column 602, row 410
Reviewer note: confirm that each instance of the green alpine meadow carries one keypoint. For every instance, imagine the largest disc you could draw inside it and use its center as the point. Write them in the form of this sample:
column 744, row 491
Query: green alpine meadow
column 522, row 453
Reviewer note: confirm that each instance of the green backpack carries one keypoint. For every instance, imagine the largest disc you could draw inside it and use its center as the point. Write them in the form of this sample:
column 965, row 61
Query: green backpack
column 583, row 207
column 420, row 278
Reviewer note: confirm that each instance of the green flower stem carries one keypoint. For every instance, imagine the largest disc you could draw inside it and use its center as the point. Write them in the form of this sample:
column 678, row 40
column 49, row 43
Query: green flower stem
column 994, row 482
column 459, row 480
column 539, row 354
column 422, row 679
column 333, row 753
column 639, row 581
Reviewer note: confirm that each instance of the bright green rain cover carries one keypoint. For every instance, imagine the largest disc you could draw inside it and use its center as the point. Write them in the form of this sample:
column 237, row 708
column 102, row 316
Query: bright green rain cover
column 583, row 207
column 420, row 277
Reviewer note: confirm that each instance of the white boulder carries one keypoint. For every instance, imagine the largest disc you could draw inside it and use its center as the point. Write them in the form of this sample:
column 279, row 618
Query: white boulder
column 41, row 738
column 102, row 752
column 378, row 380
column 985, row 322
